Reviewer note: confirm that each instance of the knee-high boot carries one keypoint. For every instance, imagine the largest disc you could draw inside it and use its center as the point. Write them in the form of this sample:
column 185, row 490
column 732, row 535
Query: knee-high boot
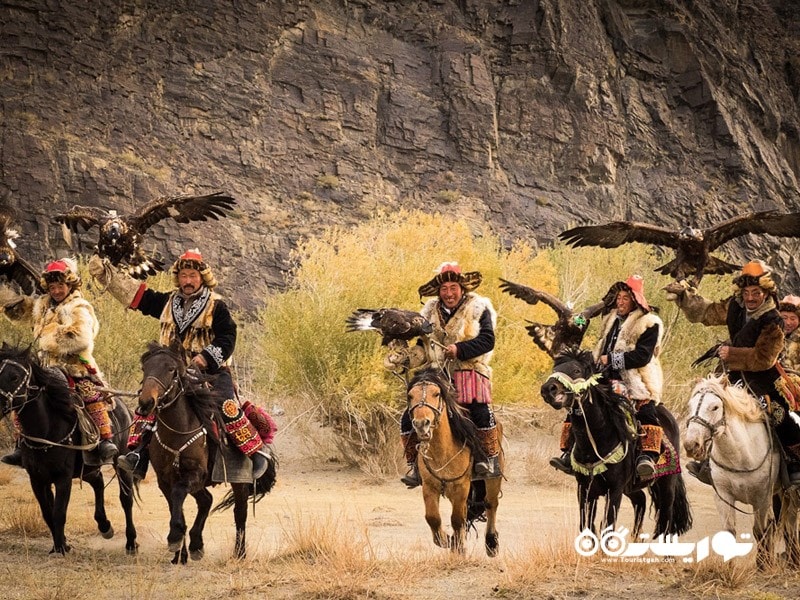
column 650, row 446
column 138, row 459
column 242, row 433
column 98, row 411
column 410, row 442
column 490, row 443
column 14, row 458
column 564, row 462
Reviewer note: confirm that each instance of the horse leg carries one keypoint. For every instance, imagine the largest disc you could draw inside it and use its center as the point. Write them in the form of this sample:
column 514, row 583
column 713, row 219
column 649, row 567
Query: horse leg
column 177, row 523
column 204, row 500
column 587, row 507
column 764, row 533
column 458, row 518
column 94, row 477
column 613, row 500
column 492, row 538
column 63, row 490
column 663, row 497
column 241, row 493
column 126, row 500
column 432, row 516
column 43, row 492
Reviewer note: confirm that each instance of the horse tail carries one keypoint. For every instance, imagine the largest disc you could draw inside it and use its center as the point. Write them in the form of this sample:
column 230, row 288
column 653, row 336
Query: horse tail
column 681, row 520
column 262, row 487
column 681, row 511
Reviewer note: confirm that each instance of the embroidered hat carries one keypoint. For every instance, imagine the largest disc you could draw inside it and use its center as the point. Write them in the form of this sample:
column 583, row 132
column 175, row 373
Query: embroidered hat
column 450, row 271
column 62, row 270
column 633, row 284
column 756, row 272
column 192, row 259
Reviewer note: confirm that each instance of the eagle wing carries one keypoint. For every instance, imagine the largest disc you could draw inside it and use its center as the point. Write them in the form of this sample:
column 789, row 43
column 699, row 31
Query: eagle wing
column 770, row 221
column 182, row 209
column 23, row 274
column 82, row 218
column 617, row 233
column 533, row 296
column 392, row 323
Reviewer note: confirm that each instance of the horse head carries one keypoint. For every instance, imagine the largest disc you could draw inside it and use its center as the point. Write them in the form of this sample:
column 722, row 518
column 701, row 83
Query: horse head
column 16, row 373
column 429, row 396
column 163, row 372
column 573, row 374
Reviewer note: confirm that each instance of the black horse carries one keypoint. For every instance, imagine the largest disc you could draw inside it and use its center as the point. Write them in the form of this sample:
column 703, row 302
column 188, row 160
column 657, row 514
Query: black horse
column 51, row 444
column 184, row 448
column 604, row 444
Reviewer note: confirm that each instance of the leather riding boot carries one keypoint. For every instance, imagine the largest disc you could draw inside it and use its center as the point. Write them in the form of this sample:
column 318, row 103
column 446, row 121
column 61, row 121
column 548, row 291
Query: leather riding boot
column 137, row 460
column 645, row 466
column 563, row 463
column 14, row 458
column 412, row 478
column 490, row 466
column 701, row 470
column 410, row 442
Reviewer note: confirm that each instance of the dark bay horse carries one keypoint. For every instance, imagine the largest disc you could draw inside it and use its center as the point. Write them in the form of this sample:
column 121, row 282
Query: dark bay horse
column 51, row 444
column 183, row 449
column 603, row 442
column 448, row 444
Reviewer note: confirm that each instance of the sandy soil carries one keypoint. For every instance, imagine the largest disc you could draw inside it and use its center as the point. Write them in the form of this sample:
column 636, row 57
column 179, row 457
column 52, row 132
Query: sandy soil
column 537, row 524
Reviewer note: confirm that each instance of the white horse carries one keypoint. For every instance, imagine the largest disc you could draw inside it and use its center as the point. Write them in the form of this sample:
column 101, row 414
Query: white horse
column 728, row 426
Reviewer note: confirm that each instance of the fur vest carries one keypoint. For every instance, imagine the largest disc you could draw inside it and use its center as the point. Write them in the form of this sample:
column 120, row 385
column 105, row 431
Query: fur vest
column 647, row 381
column 791, row 353
column 195, row 325
column 66, row 334
column 463, row 325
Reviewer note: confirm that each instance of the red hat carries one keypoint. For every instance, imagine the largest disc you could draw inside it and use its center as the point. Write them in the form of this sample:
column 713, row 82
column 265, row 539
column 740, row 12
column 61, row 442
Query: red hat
column 63, row 270
column 633, row 284
column 192, row 259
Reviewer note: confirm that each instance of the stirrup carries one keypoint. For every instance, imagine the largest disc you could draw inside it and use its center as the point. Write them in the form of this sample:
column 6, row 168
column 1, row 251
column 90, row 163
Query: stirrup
column 487, row 469
column 701, row 470
column 563, row 463
column 107, row 449
column 128, row 462
column 412, row 478
column 645, row 467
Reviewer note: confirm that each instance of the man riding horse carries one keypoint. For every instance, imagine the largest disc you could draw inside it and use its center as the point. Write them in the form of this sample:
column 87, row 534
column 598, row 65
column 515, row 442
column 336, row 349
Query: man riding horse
column 461, row 345
column 65, row 327
column 628, row 350
column 195, row 318
column 756, row 340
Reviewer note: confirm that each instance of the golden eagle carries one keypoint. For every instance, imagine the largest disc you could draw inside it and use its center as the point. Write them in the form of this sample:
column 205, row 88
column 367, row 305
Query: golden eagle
column 121, row 235
column 569, row 328
column 692, row 246
column 13, row 267
column 392, row 323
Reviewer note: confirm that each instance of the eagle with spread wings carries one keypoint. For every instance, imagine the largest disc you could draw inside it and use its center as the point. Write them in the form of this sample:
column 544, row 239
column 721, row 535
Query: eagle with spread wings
column 569, row 328
column 391, row 323
column 121, row 235
column 13, row 268
column 692, row 246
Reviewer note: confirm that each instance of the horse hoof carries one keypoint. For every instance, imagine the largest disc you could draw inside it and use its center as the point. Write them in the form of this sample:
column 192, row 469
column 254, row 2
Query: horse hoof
column 132, row 550
column 197, row 554
column 492, row 544
column 175, row 546
column 109, row 533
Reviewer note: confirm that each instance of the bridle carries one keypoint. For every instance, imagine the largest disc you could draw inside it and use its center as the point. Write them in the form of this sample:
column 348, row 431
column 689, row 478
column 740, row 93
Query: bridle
column 168, row 389
column 437, row 410
column 574, row 389
column 713, row 428
column 22, row 391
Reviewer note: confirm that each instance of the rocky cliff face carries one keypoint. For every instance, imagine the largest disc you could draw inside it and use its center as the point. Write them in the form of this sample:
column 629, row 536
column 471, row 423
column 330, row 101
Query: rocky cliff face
column 528, row 114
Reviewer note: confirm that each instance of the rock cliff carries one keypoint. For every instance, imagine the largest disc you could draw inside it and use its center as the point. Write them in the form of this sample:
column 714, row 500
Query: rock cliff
column 531, row 115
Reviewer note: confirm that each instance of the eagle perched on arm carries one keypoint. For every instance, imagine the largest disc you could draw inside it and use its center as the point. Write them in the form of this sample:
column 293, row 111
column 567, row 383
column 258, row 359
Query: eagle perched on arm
column 13, row 267
column 692, row 246
column 121, row 235
column 569, row 328
column 392, row 323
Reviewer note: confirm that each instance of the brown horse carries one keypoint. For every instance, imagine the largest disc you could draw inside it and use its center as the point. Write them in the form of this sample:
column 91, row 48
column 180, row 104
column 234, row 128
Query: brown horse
column 183, row 449
column 448, row 445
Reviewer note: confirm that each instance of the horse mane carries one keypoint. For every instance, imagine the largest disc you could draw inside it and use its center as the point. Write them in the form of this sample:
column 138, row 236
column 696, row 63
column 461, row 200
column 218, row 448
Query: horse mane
column 737, row 399
column 462, row 427
column 203, row 400
column 58, row 395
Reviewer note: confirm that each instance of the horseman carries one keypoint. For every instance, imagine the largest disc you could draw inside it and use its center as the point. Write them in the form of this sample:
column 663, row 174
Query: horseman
column 789, row 308
column 195, row 318
column 629, row 351
column 65, row 327
column 461, row 345
column 756, row 340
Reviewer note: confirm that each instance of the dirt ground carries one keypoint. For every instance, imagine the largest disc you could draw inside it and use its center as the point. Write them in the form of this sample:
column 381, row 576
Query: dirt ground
column 310, row 536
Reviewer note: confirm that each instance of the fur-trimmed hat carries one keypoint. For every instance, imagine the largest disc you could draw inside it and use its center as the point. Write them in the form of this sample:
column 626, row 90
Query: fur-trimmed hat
column 192, row 259
column 450, row 271
column 756, row 272
column 62, row 270
column 633, row 284
column 790, row 304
